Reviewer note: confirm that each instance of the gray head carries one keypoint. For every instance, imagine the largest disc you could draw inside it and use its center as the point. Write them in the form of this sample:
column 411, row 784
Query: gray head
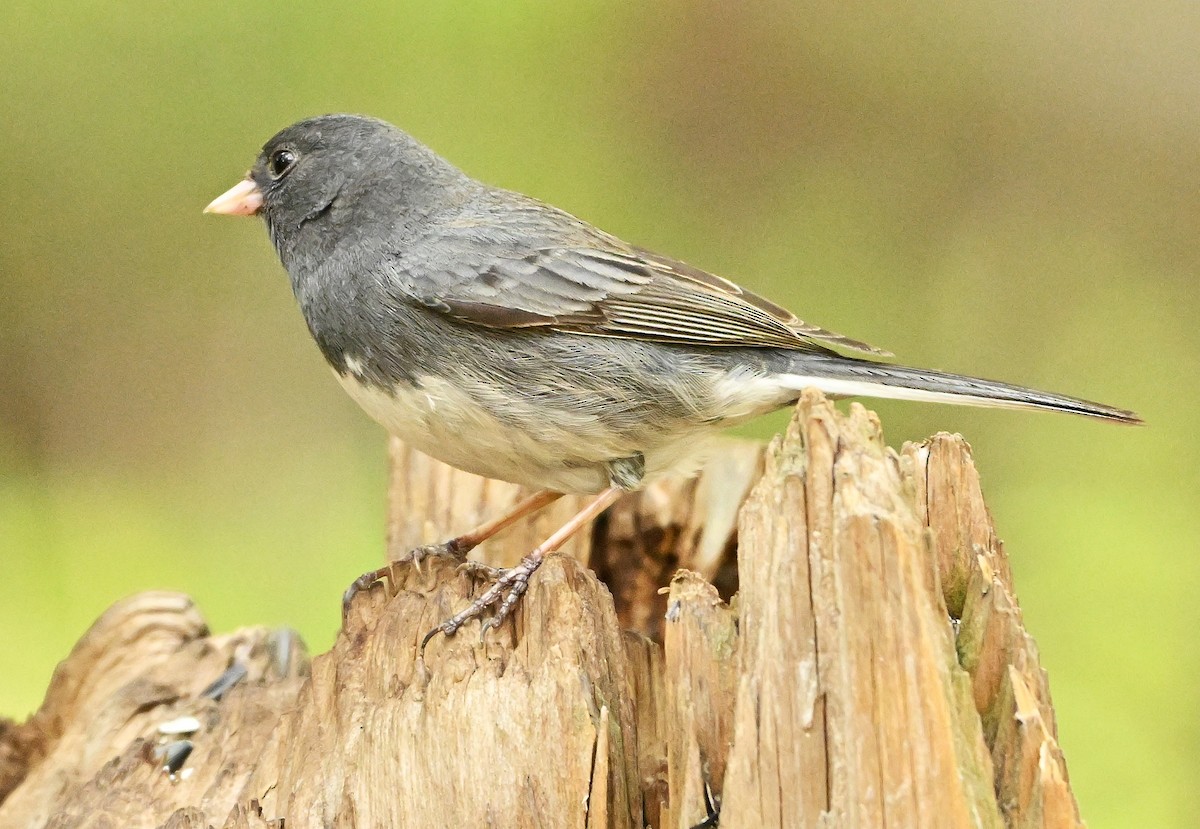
column 326, row 178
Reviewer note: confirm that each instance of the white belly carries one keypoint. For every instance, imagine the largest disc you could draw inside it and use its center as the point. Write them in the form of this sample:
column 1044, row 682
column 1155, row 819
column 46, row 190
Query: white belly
column 476, row 426
column 447, row 423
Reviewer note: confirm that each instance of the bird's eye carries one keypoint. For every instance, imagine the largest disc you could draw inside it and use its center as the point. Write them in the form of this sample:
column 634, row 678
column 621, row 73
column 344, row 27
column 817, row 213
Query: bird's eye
column 280, row 162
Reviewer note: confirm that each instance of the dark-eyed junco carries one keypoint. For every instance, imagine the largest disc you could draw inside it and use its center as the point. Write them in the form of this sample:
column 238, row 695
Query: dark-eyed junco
column 513, row 340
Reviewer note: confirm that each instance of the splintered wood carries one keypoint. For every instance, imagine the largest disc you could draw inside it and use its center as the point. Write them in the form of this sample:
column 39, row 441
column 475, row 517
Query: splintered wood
column 820, row 634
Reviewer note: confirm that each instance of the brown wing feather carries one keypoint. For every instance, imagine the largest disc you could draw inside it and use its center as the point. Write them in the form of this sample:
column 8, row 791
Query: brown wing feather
column 779, row 313
column 601, row 287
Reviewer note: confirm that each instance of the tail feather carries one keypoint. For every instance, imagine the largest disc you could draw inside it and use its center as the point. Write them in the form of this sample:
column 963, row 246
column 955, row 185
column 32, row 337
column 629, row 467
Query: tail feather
column 851, row 377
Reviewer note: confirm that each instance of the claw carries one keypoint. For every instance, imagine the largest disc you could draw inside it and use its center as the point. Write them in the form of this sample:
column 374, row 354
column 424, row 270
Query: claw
column 477, row 569
column 425, row 639
column 510, row 585
column 452, row 548
column 486, row 625
column 365, row 582
column 415, row 556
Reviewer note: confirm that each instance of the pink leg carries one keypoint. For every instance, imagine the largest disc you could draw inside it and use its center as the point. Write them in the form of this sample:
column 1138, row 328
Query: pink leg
column 513, row 583
column 469, row 541
column 458, row 546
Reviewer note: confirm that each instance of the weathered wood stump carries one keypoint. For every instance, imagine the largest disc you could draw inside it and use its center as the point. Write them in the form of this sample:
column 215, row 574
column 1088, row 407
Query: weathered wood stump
column 869, row 668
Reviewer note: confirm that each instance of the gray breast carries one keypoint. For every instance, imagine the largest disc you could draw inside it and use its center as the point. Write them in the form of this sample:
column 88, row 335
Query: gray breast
column 528, row 405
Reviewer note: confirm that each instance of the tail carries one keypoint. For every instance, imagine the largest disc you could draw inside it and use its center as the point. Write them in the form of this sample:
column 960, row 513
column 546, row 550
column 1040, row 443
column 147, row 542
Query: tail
column 846, row 376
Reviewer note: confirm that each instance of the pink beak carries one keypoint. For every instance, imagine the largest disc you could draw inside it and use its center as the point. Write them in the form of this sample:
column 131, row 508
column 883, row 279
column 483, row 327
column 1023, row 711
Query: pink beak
column 242, row 199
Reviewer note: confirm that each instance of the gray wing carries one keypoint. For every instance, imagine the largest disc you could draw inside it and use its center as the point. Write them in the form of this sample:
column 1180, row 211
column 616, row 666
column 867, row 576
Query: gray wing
column 596, row 285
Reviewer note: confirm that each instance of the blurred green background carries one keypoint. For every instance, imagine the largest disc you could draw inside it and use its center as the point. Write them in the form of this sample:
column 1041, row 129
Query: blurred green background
column 1008, row 189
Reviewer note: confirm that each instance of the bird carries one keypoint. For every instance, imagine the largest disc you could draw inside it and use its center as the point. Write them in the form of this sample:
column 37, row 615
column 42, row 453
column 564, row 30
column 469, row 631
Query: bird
column 508, row 338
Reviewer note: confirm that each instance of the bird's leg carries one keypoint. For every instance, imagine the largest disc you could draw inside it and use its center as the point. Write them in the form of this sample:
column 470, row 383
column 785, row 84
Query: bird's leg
column 458, row 547
column 512, row 583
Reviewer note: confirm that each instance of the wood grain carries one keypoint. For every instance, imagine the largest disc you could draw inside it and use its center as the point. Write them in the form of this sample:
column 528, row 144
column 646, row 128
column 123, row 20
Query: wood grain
column 820, row 633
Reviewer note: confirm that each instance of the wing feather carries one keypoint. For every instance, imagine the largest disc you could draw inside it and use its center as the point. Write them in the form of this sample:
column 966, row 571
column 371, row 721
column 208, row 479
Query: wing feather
column 597, row 285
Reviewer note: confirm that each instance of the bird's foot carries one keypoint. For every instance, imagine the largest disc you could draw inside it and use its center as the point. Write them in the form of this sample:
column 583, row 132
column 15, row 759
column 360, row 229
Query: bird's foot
column 387, row 573
column 510, row 585
column 479, row 570
column 452, row 548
